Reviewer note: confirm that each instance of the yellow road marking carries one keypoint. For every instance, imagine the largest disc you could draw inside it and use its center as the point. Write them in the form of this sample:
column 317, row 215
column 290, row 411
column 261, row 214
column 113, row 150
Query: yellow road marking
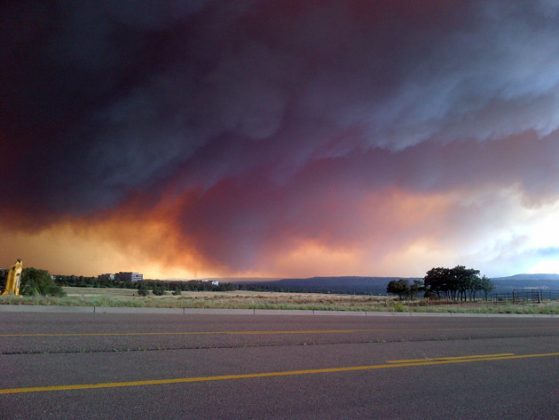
column 256, row 332
column 427, row 359
column 105, row 385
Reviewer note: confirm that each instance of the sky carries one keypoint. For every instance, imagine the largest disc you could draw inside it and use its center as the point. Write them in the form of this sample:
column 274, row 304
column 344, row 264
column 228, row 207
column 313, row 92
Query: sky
column 282, row 138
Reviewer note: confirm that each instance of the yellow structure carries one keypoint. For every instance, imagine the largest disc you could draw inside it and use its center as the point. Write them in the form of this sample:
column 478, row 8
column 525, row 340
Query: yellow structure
column 13, row 279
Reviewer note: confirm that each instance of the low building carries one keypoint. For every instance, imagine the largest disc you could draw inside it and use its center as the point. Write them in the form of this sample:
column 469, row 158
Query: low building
column 106, row 276
column 129, row 276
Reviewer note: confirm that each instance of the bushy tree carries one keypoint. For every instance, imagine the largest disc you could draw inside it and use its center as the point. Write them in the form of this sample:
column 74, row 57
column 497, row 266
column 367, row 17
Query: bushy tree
column 177, row 290
column 458, row 283
column 486, row 286
column 404, row 289
column 400, row 288
column 142, row 289
column 158, row 290
column 437, row 280
column 416, row 287
column 39, row 282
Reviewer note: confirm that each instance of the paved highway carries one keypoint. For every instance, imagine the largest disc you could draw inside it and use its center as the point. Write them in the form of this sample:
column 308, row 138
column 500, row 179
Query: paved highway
column 273, row 366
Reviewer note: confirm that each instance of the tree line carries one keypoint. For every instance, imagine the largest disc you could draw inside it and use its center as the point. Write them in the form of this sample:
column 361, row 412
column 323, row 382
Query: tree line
column 158, row 285
column 456, row 284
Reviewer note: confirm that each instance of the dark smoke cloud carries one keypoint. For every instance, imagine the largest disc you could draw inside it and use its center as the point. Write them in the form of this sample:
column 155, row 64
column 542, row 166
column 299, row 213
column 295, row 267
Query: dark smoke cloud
column 273, row 120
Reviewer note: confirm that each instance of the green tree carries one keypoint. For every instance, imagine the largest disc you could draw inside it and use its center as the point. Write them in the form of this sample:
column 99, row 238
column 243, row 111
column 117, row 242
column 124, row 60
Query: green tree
column 486, row 286
column 437, row 281
column 458, row 283
column 142, row 289
column 416, row 287
column 464, row 281
column 176, row 289
column 39, row 282
column 158, row 289
column 398, row 287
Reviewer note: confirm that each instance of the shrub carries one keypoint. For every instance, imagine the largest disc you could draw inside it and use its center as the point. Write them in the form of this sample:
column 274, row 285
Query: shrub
column 398, row 307
column 142, row 289
column 158, row 290
column 39, row 282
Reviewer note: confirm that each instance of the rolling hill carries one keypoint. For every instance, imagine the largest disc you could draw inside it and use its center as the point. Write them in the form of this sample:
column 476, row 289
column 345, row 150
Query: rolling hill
column 377, row 285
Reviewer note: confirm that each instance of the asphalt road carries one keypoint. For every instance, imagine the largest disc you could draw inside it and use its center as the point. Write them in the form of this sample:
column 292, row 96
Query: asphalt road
column 149, row 366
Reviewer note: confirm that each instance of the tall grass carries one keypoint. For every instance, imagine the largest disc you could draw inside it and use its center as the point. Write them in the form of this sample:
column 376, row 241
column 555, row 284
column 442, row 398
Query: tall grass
column 272, row 300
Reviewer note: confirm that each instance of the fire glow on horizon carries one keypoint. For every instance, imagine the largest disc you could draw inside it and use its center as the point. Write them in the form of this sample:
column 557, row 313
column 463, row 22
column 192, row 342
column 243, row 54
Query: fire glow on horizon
column 201, row 138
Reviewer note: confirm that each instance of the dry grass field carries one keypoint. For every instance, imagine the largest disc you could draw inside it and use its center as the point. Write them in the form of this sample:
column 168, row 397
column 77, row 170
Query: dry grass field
column 233, row 299
column 83, row 296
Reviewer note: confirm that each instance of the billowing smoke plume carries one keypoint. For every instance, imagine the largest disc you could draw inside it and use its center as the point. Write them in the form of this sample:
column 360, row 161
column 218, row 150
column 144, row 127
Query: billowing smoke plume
column 258, row 133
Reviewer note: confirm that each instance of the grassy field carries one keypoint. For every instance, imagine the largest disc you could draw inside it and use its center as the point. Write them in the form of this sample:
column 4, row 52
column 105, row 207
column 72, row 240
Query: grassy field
column 82, row 296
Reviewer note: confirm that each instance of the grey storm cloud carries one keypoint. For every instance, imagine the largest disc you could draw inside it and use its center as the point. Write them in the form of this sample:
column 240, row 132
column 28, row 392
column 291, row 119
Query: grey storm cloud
column 105, row 99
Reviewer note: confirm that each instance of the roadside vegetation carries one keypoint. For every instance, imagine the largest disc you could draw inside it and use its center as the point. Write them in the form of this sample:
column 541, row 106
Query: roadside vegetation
column 36, row 282
column 443, row 290
column 78, row 296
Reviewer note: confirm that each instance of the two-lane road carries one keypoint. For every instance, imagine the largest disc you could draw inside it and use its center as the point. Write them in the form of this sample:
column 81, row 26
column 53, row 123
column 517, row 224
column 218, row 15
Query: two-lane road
column 268, row 366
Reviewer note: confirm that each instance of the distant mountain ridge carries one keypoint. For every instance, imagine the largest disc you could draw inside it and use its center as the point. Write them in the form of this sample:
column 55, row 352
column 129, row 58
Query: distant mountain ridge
column 526, row 281
column 377, row 285
column 338, row 284
column 543, row 276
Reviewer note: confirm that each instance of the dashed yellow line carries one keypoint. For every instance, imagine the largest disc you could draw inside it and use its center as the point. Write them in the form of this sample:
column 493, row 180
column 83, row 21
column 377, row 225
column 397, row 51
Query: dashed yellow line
column 105, row 385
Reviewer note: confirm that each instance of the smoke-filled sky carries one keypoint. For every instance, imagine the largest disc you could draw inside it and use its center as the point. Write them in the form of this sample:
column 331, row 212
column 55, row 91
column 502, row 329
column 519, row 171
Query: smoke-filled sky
column 279, row 138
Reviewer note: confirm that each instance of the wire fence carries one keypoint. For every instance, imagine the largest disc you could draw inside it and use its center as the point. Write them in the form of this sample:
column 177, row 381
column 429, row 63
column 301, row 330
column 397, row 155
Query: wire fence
column 525, row 296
